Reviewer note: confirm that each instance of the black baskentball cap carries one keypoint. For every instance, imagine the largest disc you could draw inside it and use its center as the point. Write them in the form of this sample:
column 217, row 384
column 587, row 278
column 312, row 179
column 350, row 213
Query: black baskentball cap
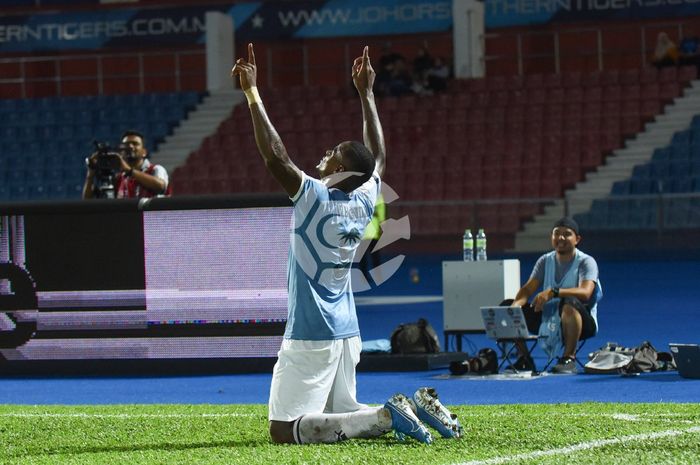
column 567, row 223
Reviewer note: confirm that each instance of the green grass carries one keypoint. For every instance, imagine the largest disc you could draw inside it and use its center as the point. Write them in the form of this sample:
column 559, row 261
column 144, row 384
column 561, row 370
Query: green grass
column 237, row 434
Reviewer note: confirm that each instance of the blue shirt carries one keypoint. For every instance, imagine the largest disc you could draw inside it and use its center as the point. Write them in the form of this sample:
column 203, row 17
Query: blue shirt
column 328, row 227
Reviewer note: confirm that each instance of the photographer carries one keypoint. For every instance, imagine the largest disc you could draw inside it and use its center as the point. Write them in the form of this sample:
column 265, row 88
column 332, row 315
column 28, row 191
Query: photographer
column 126, row 173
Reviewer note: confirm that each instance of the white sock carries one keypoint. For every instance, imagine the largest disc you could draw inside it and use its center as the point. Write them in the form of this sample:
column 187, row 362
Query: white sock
column 317, row 428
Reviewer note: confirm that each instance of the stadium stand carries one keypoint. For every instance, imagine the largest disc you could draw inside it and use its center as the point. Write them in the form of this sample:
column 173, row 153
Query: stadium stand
column 484, row 140
column 50, row 137
column 634, row 203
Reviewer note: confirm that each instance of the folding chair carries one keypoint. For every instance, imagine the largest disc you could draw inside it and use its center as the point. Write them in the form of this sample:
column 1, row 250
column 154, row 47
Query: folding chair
column 507, row 345
column 578, row 349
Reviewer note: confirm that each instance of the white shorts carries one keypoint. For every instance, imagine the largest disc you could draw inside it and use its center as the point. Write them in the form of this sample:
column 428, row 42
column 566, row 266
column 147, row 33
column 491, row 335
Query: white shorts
column 314, row 377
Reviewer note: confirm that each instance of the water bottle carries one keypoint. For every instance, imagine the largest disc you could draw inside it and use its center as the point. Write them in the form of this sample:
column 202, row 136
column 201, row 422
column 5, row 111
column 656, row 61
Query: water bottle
column 481, row 246
column 468, row 245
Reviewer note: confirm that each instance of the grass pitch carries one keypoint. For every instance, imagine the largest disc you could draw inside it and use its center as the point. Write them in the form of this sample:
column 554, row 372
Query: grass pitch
column 237, row 434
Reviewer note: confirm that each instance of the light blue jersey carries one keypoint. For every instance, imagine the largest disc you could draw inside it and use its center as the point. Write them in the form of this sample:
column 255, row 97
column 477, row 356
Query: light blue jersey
column 328, row 227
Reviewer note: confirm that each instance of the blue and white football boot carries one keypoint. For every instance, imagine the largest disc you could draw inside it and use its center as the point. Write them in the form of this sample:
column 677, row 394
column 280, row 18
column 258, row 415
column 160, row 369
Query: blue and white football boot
column 404, row 421
column 430, row 411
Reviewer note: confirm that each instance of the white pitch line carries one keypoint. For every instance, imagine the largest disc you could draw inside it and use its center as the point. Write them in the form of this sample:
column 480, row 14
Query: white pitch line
column 582, row 446
column 125, row 415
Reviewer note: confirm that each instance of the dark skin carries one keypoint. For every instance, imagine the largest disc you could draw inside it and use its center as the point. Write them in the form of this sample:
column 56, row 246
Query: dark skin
column 284, row 170
column 271, row 147
column 564, row 241
column 152, row 183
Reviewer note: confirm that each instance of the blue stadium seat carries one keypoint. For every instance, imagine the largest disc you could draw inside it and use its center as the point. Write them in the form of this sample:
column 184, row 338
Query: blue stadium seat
column 47, row 133
column 682, row 185
column 621, row 187
column 660, row 169
column 681, row 138
column 641, row 213
column 18, row 192
column 663, row 154
column 642, row 171
column 55, row 190
column 695, row 123
column 65, row 132
column 26, row 133
column 8, row 105
column 8, row 132
column 643, row 186
column 680, row 152
column 37, row 192
column 189, row 99
column 12, row 147
column 676, row 213
column 84, row 116
column 13, row 118
column 679, row 168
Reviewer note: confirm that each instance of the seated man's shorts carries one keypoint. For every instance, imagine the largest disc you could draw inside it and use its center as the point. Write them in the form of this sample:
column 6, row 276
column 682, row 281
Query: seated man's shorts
column 533, row 319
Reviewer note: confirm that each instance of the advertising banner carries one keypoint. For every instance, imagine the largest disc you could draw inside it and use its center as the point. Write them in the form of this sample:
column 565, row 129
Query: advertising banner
column 278, row 20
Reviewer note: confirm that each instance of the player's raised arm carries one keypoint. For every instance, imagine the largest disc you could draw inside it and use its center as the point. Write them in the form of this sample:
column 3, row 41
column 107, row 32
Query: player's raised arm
column 363, row 77
column 268, row 140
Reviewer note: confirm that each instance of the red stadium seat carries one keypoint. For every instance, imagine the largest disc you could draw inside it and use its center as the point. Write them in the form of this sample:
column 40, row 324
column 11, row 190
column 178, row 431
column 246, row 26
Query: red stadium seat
column 648, row 75
column 687, row 74
column 668, row 74
column 573, row 94
column 669, row 90
column 571, row 80
column 650, row 91
column 629, row 77
column 632, row 92
column 552, row 81
column 610, row 77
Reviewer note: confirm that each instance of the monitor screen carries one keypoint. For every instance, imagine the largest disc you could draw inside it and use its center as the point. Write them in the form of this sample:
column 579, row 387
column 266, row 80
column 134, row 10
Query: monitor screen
column 133, row 284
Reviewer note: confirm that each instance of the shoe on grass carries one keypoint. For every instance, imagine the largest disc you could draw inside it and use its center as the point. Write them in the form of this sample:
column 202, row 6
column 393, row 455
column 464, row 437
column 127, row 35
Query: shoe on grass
column 565, row 365
column 431, row 412
column 404, row 422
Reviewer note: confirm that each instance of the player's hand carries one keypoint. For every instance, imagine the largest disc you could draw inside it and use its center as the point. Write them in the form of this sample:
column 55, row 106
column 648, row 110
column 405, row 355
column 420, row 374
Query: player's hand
column 246, row 70
column 123, row 165
column 362, row 73
column 92, row 162
column 541, row 299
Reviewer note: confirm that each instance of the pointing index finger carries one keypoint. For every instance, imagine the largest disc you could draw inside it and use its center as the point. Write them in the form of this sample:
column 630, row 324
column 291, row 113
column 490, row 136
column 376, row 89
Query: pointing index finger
column 365, row 54
column 251, row 54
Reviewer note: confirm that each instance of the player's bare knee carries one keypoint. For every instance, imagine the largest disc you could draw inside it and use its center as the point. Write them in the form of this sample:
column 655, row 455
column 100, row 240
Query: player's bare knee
column 281, row 432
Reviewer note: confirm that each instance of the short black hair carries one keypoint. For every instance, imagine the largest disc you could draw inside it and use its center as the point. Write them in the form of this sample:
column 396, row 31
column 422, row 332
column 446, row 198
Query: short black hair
column 133, row 132
column 357, row 158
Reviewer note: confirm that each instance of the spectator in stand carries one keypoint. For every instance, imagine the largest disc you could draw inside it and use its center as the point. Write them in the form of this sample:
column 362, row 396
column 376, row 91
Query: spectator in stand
column 386, row 70
column 401, row 82
column 438, row 75
column 422, row 63
column 666, row 52
column 689, row 49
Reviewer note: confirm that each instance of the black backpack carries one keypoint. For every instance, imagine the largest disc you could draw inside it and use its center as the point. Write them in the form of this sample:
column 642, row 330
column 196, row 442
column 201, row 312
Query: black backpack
column 415, row 338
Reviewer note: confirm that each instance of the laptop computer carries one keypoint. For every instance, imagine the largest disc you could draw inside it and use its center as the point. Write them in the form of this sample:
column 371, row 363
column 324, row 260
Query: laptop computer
column 505, row 323
column 687, row 358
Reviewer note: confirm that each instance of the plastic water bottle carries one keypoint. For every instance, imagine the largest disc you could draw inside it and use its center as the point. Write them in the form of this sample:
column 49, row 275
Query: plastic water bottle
column 468, row 245
column 481, row 246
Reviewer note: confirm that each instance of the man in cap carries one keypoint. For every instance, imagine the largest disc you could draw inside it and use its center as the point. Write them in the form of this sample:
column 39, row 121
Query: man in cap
column 565, row 309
